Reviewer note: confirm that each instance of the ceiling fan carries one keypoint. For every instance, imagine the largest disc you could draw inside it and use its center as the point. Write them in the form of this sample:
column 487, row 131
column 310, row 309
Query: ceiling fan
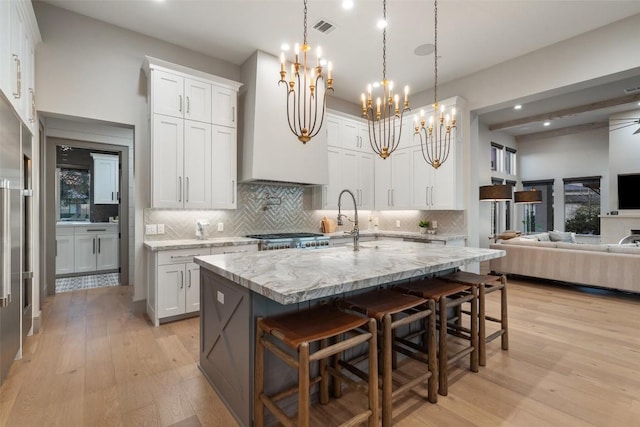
column 626, row 122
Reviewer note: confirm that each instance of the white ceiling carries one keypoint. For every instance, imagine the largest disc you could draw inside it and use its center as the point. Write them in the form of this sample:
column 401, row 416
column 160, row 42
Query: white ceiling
column 472, row 34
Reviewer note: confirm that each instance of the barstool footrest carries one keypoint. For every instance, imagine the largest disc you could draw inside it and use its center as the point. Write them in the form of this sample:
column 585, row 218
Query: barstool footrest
column 346, row 379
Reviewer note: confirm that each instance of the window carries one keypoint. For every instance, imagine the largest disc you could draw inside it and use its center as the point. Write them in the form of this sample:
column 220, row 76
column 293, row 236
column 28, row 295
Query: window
column 508, row 209
column 582, row 205
column 74, row 186
column 497, row 157
column 510, row 161
column 539, row 217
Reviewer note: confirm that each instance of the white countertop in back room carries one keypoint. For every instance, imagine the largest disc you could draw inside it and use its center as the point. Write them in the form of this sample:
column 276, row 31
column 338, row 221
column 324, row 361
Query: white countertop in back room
column 85, row 223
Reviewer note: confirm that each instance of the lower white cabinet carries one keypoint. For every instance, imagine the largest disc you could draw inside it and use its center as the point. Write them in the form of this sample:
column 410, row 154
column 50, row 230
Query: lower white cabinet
column 174, row 280
column 64, row 251
column 87, row 248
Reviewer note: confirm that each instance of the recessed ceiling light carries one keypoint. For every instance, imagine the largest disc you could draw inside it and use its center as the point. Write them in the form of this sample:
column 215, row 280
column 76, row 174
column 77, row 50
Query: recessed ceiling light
column 424, row 49
column 382, row 23
column 547, row 123
column 638, row 103
column 285, row 47
column 517, row 107
column 347, row 4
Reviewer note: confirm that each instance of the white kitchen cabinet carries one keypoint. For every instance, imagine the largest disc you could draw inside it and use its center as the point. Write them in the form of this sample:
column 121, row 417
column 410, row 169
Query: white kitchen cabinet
column 332, row 125
column 64, row 250
column 105, row 179
column 196, row 170
column 174, row 280
column 347, row 133
column 358, row 175
column 96, row 248
column 18, row 36
column 223, row 167
column 177, row 96
column 393, row 181
column 224, row 110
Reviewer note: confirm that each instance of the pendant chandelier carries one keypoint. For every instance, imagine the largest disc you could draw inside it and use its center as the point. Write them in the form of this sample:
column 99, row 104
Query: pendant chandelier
column 435, row 139
column 385, row 123
column 306, row 90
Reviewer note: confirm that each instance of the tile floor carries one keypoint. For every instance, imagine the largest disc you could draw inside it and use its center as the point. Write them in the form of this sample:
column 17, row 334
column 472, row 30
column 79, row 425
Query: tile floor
column 66, row 284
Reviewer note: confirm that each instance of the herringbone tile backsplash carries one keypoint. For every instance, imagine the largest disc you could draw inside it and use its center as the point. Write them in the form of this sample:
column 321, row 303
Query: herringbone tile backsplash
column 269, row 208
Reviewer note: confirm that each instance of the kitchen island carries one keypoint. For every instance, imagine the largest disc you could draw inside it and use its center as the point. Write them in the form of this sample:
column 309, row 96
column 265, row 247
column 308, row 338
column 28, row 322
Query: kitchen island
column 236, row 288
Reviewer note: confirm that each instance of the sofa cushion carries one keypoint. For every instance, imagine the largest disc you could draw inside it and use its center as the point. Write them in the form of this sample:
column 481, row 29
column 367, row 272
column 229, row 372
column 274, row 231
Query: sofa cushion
column 583, row 247
column 562, row 236
column 530, row 242
column 624, row 249
column 543, row 237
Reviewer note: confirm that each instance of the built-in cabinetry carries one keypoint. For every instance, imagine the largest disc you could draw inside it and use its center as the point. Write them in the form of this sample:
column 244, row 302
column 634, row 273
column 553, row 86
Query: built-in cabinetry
column 193, row 122
column 19, row 35
column 87, row 248
column 351, row 164
column 105, row 179
column 174, row 280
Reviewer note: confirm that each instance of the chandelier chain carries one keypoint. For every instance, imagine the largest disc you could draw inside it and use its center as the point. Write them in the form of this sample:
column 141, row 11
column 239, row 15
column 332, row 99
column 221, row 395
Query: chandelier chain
column 435, row 53
column 305, row 22
column 384, row 42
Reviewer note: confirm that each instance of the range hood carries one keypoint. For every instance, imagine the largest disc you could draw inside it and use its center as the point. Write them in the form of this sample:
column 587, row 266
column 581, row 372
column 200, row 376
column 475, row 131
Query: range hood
column 268, row 152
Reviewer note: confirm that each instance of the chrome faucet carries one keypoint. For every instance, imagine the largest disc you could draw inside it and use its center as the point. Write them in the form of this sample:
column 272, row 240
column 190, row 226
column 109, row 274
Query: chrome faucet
column 355, row 232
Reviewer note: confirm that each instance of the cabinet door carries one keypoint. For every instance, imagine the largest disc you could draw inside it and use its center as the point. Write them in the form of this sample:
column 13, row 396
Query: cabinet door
column 167, row 162
column 366, row 180
column 192, row 280
column 107, row 252
column 401, row 179
column 105, row 179
column 224, row 111
column 197, row 165
column 444, row 183
column 382, row 169
column 64, row 254
column 171, row 293
column 5, row 48
column 421, row 174
column 18, row 48
column 332, row 124
column 168, row 94
column 85, row 247
column 197, row 100
column 332, row 189
column 224, row 167
column 350, row 136
column 363, row 138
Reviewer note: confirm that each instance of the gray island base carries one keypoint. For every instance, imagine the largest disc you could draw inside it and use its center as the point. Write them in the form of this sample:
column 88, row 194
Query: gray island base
column 236, row 288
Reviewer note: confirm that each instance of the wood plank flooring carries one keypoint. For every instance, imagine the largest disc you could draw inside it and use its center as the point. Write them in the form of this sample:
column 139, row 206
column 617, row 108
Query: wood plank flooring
column 574, row 360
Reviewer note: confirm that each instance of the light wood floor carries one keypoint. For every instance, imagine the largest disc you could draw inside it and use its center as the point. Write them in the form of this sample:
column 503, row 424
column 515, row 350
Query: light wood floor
column 574, row 360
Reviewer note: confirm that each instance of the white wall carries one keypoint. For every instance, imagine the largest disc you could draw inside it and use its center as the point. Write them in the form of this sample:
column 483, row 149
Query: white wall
column 570, row 156
column 89, row 69
column 624, row 154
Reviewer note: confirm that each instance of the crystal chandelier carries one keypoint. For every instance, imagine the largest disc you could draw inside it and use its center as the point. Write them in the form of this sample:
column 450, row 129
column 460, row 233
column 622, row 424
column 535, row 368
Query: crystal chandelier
column 435, row 139
column 306, row 91
column 385, row 123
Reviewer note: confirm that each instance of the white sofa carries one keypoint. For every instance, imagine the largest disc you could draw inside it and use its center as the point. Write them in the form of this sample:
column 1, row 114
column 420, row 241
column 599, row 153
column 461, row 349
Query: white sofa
column 607, row 266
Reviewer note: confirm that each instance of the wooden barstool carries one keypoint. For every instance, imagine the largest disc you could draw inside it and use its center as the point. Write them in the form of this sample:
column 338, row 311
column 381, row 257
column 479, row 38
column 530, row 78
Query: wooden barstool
column 449, row 295
column 392, row 310
column 294, row 333
column 486, row 284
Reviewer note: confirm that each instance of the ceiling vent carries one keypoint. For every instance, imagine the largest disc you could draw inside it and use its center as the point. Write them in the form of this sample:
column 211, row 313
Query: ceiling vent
column 324, row 26
column 632, row 90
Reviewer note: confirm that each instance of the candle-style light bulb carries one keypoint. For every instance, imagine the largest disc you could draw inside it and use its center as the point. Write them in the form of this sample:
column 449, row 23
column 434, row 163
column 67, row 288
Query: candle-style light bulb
column 296, row 49
column 329, row 69
column 281, row 61
column 406, row 93
column 364, row 104
column 369, row 91
column 378, row 104
column 397, row 99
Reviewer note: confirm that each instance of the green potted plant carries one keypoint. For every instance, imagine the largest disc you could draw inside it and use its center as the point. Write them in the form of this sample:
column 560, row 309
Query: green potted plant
column 424, row 225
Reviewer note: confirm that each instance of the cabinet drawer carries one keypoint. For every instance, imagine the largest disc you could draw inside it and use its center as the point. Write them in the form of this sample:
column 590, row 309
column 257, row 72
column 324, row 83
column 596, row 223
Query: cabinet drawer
column 234, row 249
column 64, row 231
column 181, row 255
column 96, row 229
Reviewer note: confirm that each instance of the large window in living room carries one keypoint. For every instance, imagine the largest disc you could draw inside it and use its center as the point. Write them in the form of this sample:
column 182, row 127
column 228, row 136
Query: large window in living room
column 497, row 157
column 582, row 205
column 539, row 217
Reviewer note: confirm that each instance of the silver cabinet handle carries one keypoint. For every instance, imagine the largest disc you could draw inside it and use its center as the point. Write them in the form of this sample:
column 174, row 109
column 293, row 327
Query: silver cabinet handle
column 182, row 280
column 186, row 192
column 180, row 103
column 96, row 229
column 188, row 106
column 99, row 244
column 189, row 278
column 392, row 202
column 233, row 191
column 18, row 94
column 5, row 287
column 432, row 196
column 233, row 114
column 94, row 245
column 33, row 105
column 426, row 195
column 179, row 188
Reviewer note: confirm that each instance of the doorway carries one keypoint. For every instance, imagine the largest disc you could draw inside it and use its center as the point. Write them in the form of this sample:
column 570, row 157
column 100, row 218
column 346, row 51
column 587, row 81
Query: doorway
column 86, row 209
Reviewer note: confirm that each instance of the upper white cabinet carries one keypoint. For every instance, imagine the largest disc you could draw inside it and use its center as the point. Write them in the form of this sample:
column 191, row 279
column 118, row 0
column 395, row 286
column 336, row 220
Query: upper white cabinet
column 105, row 179
column 18, row 36
column 193, row 137
column 347, row 133
column 393, row 181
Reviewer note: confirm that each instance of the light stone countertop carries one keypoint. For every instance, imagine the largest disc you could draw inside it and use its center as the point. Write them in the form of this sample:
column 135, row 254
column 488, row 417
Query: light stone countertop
column 163, row 245
column 402, row 234
column 291, row 276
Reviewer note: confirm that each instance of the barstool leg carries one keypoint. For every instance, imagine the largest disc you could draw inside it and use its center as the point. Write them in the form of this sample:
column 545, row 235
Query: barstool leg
column 324, row 377
column 504, row 317
column 482, row 327
column 337, row 382
column 432, row 385
column 258, row 381
column 373, row 374
column 387, row 366
column 443, row 388
column 474, row 329
column 303, row 385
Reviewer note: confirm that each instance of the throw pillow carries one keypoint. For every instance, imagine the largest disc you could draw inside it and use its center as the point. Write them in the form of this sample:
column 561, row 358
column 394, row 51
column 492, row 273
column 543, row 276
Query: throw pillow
column 560, row 236
column 543, row 237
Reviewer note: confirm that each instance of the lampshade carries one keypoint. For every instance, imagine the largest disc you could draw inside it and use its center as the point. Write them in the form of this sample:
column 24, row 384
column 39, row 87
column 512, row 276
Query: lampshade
column 496, row 193
column 530, row 196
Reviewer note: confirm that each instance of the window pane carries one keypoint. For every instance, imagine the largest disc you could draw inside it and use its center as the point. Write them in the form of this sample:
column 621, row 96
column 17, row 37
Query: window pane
column 539, row 217
column 582, row 207
column 74, row 193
